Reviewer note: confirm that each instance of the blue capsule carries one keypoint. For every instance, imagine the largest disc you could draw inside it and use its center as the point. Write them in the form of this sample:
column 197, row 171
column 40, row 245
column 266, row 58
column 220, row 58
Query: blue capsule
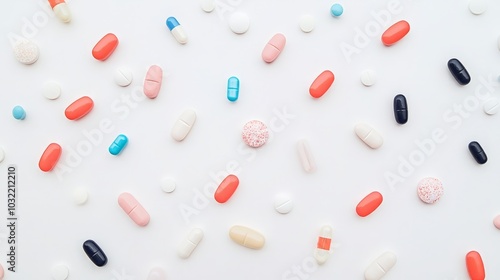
column 19, row 113
column 176, row 30
column 118, row 145
column 336, row 10
column 233, row 89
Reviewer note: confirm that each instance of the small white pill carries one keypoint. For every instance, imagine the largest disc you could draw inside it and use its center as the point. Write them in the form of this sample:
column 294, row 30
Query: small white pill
column 51, row 90
column 491, row 106
column 157, row 274
column 60, row 272
column 2, row 154
column 168, row 185
column 379, row 267
column 369, row 135
column 26, row 51
column 305, row 155
column 239, row 22
column 80, row 195
column 368, row 78
column 207, row 5
column 283, row 203
column 123, row 77
column 478, row 7
column 307, row 23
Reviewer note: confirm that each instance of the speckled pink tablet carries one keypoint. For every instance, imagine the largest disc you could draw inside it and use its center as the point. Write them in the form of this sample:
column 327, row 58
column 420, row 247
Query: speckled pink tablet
column 255, row 133
column 430, row 190
column 496, row 222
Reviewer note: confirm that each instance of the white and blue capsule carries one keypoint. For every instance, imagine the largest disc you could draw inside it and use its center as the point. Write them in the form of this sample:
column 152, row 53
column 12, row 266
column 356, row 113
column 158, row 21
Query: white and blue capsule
column 176, row 30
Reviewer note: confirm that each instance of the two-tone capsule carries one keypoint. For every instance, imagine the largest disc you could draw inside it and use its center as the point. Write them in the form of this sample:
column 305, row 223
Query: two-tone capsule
column 477, row 152
column 458, row 71
column 95, row 253
column 176, row 30
column 61, row 10
column 322, row 251
column 233, row 88
column 400, row 109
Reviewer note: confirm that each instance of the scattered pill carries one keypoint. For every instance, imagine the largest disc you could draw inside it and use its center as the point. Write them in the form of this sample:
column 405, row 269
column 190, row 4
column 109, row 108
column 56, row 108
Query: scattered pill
column 305, row 156
column 177, row 30
column 118, row 144
column 80, row 195
column 283, row 203
column 168, row 185
column 105, row 47
column 233, row 88
column 157, row 274
column 247, row 237
column 26, row 51
column 51, row 90
column 183, row 125
column 307, row 23
column 123, row 77
column 336, row 10
column 369, row 204
column 59, row 272
column 430, row 190
column 368, row 78
column 207, row 5
column 475, row 266
column 322, row 252
column 400, row 109
column 478, row 7
column 2, row 154
column 496, row 221
column 369, row 135
column 18, row 113
column 491, row 106
column 50, row 157
column 273, row 48
column 378, row 268
column 61, row 10
column 153, row 81
column 477, row 152
column 190, row 243
column 395, row 33
column 226, row 188
column 95, row 253
column 239, row 22
column 79, row 108
column 133, row 209
column 458, row 71
column 321, row 84
column 255, row 133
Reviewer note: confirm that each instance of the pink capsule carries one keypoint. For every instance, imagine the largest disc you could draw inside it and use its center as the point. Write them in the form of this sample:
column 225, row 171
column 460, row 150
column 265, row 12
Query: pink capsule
column 133, row 209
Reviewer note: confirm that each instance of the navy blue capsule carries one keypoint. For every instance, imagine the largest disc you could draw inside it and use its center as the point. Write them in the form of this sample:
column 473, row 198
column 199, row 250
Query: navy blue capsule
column 95, row 253
column 458, row 71
column 400, row 109
column 477, row 152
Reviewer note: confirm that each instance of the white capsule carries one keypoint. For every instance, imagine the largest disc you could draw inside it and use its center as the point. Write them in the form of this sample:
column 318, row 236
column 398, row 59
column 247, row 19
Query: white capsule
column 283, row 203
column 183, row 125
column 60, row 272
column 207, row 5
column 26, row 51
column 491, row 106
column 369, row 135
column 377, row 269
column 157, row 274
column 51, row 90
column 190, row 242
column 305, row 155
column 177, row 30
column 123, row 77
column 368, row 78
column 322, row 252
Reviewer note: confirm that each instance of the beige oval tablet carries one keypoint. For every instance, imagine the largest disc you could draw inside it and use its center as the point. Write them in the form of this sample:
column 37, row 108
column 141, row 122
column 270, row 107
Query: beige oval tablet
column 247, row 237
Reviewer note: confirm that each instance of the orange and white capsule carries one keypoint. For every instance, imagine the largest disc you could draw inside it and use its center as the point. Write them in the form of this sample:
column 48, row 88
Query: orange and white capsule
column 61, row 10
column 322, row 251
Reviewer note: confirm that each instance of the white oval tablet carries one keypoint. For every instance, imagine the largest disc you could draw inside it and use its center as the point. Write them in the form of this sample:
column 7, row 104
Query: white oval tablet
column 491, row 106
column 2, row 154
column 478, row 7
column 51, row 90
column 207, row 5
column 26, row 51
column 123, row 77
column 168, row 184
column 305, row 155
column 369, row 135
column 368, row 77
column 307, row 23
column 183, row 125
column 377, row 269
column 283, row 203
column 239, row 22
column 157, row 274
column 80, row 195
column 190, row 243
column 60, row 272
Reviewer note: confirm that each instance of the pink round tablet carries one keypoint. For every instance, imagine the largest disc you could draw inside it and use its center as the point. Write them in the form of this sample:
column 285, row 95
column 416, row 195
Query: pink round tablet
column 496, row 222
column 430, row 190
column 255, row 133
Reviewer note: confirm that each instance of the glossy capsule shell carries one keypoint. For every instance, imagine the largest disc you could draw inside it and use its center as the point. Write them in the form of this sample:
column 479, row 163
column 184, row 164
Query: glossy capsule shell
column 61, row 10
column 190, row 243
column 395, row 33
column 246, row 237
column 273, row 48
column 176, row 30
column 477, row 152
column 369, row 204
column 400, row 109
column 226, row 188
column 321, row 84
column 475, row 266
column 79, row 108
column 50, row 157
column 458, row 71
column 153, row 81
column 233, row 89
column 133, row 209
column 118, row 144
column 95, row 253
column 379, row 267
column 322, row 252
column 105, row 47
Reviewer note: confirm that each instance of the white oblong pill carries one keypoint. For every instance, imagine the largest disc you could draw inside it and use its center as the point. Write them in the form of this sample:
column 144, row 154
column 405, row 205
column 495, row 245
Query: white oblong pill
column 26, row 51
column 239, row 22
column 123, row 77
column 157, row 274
column 168, row 184
column 183, row 125
column 307, row 23
column 51, row 90
column 80, row 195
column 2, row 154
column 378, row 268
column 305, row 155
column 190, row 243
column 478, row 7
column 207, row 5
column 322, row 252
column 283, row 203
column 369, row 135
column 60, row 272
column 368, row 77
column 491, row 106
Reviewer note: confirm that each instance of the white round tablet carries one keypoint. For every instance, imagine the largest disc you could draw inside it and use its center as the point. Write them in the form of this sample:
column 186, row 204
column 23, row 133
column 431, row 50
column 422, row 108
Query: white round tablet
column 368, row 78
column 26, row 52
column 2, row 154
column 123, row 77
column 491, row 106
column 60, row 272
column 207, row 5
column 307, row 23
column 283, row 203
column 239, row 22
column 80, row 195
column 51, row 90
column 168, row 184
column 478, row 7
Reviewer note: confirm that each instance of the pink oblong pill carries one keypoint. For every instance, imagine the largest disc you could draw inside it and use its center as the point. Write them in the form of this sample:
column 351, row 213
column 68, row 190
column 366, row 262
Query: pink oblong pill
column 273, row 48
column 152, row 83
column 133, row 209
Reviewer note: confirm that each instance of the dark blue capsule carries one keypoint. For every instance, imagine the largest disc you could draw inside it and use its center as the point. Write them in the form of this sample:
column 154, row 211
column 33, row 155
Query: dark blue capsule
column 400, row 109
column 458, row 71
column 95, row 253
column 477, row 152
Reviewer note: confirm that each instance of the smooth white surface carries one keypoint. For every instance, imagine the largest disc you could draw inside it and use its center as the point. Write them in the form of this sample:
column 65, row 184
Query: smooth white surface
column 168, row 184
column 183, row 125
column 368, row 77
column 80, row 195
column 478, row 7
column 51, row 90
column 307, row 23
column 379, row 267
column 207, row 5
column 491, row 106
column 283, row 203
column 60, row 272
column 306, row 156
column 52, row 228
column 239, row 22
column 123, row 76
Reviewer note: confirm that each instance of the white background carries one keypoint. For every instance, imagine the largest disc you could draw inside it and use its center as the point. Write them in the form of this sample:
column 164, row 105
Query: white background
column 431, row 241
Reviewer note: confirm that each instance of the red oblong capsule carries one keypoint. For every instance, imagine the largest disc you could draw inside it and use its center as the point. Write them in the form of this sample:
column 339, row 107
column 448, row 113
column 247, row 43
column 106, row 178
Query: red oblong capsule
column 105, row 47
column 475, row 266
column 321, row 84
column 50, row 157
column 79, row 108
column 395, row 32
column 369, row 204
column 226, row 188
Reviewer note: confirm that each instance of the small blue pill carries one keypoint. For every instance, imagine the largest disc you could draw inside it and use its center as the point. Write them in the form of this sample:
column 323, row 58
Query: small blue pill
column 233, row 89
column 118, row 145
column 336, row 10
column 172, row 23
column 19, row 113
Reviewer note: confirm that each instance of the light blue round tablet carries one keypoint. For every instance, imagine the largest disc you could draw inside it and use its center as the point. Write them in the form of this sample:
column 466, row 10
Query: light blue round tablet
column 336, row 10
column 18, row 113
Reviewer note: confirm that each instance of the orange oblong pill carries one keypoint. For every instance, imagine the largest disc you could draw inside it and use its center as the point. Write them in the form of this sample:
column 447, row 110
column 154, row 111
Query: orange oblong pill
column 369, row 204
column 226, row 188
column 105, row 47
column 79, row 108
column 475, row 266
column 50, row 157
column 321, row 84
column 395, row 32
